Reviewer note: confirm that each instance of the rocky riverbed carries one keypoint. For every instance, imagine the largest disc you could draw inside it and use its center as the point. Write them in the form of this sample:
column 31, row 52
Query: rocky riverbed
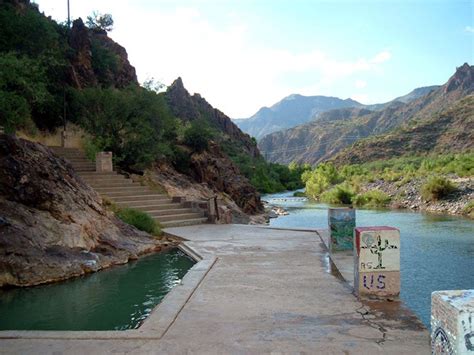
column 408, row 195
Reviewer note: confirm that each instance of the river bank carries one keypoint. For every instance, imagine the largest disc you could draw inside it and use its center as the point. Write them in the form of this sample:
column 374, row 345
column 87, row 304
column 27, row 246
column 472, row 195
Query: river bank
column 408, row 196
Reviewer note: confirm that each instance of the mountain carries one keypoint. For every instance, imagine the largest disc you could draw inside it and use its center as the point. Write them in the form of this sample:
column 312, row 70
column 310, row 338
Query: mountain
column 412, row 95
column 451, row 130
column 293, row 110
column 324, row 138
column 416, row 93
column 190, row 108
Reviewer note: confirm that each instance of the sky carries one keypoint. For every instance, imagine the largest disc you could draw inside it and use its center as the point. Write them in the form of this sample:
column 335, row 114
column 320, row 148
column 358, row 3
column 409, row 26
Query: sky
column 242, row 55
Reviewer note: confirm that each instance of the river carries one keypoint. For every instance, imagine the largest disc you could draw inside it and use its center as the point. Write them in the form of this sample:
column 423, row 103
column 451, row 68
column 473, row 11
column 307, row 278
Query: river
column 437, row 252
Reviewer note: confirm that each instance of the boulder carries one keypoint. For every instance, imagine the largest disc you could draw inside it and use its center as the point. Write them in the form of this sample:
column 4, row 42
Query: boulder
column 53, row 226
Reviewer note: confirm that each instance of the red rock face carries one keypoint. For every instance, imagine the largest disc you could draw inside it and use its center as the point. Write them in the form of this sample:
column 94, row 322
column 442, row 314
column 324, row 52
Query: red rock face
column 217, row 170
column 82, row 73
column 52, row 225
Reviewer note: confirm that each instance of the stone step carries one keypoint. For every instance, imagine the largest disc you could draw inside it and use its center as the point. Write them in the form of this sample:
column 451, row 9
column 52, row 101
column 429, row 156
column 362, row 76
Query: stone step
column 98, row 184
column 182, row 223
column 143, row 206
column 126, row 193
column 84, row 168
column 83, row 165
column 177, row 217
column 79, row 160
column 96, row 174
column 101, row 178
column 166, row 212
column 140, row 198
column 118, row 191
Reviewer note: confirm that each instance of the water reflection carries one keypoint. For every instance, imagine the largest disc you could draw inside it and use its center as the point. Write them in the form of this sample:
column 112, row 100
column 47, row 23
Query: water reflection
column 119, row 298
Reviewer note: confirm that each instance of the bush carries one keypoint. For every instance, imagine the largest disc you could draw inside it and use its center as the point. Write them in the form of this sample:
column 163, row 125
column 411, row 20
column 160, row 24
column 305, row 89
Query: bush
column 373, row 198
column 468, row 210
column 436, row 188
column 197, row 135
column 140, row 220
column 320, row 179
column 338, row 195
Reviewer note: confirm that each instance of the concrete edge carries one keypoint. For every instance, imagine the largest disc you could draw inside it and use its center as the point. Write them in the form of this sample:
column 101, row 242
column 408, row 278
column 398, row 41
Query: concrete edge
column 154, row 326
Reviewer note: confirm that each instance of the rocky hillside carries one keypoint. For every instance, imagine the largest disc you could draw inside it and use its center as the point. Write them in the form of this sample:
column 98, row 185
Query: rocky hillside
column 291, row 111
column 451, row 130
column 323, row 139
column 195, row 107
column 52, row 225
column 92, row 48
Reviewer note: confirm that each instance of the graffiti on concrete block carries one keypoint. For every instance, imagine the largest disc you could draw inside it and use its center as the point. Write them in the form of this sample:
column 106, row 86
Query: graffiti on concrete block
column 468, row 329
column 376, row 256
column 374, row 281
column 440, row 343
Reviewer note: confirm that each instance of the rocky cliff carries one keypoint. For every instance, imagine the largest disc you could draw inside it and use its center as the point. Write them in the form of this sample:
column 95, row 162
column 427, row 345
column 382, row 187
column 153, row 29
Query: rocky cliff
column 322, row 139
column 86, row 42
column 213, row 167
column 52, row 225
column 189, row 108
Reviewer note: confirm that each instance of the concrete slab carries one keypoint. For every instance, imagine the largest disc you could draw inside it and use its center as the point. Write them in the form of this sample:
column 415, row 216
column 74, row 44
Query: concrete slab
column 267, row 291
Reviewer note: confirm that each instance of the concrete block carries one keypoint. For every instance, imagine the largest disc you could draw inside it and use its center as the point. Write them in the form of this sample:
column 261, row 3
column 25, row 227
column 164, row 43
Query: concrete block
column 103, row 162
column 341, row 227
column 452, row 322
column 377, row 262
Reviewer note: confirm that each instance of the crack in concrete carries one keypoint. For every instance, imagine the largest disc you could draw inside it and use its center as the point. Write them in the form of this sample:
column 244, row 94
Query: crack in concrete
column 364, row 312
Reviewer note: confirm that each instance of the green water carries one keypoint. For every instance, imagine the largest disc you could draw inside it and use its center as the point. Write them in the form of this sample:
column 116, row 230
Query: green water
column 114, row 299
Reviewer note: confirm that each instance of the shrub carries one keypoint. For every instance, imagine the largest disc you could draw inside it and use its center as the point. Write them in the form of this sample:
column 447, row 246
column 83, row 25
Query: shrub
column 320, row 179
column 338, row 195
column 197, row 135
column 436, row 188
column 468, row 210
column 140, row 220
column 373, row 198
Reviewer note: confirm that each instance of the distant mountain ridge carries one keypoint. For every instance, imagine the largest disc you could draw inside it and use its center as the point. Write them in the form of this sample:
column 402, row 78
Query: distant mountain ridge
column 291, row 111
column 333, row 131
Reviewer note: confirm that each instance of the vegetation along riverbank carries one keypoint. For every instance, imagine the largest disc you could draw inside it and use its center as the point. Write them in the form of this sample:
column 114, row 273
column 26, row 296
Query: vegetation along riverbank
column 434, row 183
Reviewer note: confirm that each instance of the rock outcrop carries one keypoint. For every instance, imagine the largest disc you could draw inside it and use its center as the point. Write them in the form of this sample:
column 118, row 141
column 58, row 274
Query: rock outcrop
column 82, row 73
column 189, row 108
column 52, row 225
column 217, row 170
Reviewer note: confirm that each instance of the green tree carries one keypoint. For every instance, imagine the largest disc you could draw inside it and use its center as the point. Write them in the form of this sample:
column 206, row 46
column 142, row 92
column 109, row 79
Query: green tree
column 22, row 87
column 98, row 21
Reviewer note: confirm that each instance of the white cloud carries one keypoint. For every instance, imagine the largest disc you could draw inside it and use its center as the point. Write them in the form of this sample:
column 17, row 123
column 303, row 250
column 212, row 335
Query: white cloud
column 381, row 57
column 469, row 29
column 220, row 62
column 360, row 84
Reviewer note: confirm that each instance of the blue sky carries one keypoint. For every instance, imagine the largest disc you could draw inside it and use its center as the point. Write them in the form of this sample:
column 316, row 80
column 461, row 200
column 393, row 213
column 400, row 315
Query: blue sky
column 242, row 55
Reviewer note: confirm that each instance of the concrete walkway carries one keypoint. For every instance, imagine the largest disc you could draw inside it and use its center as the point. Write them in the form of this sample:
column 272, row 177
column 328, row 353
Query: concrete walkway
column 260, row 290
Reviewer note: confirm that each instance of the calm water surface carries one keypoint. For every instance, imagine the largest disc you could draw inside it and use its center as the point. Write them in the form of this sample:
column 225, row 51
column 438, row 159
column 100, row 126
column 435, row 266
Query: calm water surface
column 437, row 252
column 118, row 298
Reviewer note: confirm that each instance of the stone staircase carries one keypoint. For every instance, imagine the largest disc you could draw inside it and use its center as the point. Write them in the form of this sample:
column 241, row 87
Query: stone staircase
column 126, row 193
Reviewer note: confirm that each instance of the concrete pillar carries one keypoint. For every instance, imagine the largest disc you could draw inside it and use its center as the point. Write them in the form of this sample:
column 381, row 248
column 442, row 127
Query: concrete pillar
column 103, row 162
column 66, row 139
column 377, row 262
column 452, row 322
column 341, row 228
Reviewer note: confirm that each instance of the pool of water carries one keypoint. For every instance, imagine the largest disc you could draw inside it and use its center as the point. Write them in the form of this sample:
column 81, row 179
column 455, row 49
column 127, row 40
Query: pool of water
column 437, row 252
column 118, row 298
